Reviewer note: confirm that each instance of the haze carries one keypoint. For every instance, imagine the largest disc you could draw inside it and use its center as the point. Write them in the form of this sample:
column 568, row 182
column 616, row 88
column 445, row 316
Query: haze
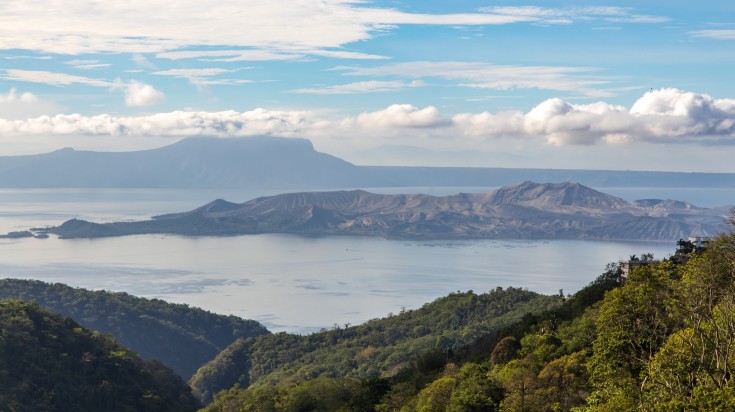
column 618, row 85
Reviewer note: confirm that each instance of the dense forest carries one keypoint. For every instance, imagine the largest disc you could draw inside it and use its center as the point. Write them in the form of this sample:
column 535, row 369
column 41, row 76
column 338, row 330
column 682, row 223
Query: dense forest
column 179, row 336
column 377, row 348
column 50, row 363
column 660, row 339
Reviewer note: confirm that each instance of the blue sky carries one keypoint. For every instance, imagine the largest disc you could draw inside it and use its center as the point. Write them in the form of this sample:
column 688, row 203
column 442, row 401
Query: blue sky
column 645, row 85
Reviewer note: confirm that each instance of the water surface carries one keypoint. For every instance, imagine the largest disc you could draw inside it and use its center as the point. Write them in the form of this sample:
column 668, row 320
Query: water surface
column 290, row 283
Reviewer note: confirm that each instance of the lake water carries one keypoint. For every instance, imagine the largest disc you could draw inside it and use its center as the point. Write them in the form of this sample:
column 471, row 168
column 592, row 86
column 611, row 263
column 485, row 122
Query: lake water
column 289, row 283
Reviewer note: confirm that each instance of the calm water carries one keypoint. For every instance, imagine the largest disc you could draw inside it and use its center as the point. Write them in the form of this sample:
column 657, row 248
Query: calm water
column 289, row 283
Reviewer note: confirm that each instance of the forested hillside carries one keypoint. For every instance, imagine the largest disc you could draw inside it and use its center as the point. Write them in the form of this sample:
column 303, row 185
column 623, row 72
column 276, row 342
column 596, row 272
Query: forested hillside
column 48, row 363
column 662, row 339
column 181, row 337
column 380, row 347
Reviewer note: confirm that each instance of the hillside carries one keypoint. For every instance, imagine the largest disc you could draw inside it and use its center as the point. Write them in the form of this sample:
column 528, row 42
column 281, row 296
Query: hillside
column 179, row 336
column 523, row 211
column 288, row 164
column 379, row 347
column 606, row 348
column 48, row 363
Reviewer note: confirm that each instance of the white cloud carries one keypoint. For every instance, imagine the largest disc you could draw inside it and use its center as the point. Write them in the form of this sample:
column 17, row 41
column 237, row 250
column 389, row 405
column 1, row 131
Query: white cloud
column 658, row 117
column 672, row 113
column 16, row 105
column 143, row 61
column 12, row 96
column 155, row 26
column 189, row 73
column 360, row 87
column 141, row 94
column 665, row 115
column 53, row 78
column 578, row 80
column 345, row 54
column 401, row 116
column 283, row 53
column 177, row 123
column 136, row 93
column 229, row 55
column 569, row 15
column 252, row 29
column 715, row 34
column 201, row 77
column 87, row 64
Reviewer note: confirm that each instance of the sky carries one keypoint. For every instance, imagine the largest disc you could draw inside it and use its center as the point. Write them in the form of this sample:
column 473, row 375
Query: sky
column 620, row 84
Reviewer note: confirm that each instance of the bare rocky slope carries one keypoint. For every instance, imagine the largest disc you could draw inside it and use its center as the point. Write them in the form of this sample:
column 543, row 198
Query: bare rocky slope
column 527, row 210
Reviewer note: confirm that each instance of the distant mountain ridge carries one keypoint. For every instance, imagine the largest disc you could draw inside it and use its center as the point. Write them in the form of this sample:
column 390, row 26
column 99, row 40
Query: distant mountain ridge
column 288, row 164
column 190, row 163
column 523, row 211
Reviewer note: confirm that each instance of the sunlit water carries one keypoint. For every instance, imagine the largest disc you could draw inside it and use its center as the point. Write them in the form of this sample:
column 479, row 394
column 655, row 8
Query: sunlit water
column 290, row 283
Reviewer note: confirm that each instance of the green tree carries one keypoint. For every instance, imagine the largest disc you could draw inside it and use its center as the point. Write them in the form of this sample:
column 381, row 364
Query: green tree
column 633, row 323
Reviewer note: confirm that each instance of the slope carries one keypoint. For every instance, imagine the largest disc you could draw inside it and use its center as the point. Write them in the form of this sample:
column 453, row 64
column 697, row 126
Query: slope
column 48, row 363
column 378, row 347
column 181, row 337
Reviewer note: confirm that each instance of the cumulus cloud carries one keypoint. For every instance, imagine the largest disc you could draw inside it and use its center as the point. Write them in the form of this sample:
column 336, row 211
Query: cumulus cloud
column 659, row 116
column 672, row 113
column 401, row 116
column 22, row 105
column 177, row 123
column 665, row 115
column 136, row 93
column 12, row 96
column 141, row 94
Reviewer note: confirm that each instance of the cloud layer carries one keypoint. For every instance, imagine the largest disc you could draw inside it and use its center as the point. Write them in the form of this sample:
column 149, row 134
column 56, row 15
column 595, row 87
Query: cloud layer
column 660, row 116
column 88, row 26
column 579, row 80
column 273, row 29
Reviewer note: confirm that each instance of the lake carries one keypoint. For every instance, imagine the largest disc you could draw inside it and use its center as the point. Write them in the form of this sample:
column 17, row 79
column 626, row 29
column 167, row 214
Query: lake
column 289, row 283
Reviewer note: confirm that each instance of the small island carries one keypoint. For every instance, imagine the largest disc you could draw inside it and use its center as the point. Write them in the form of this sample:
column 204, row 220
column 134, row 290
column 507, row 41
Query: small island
column 18, row 235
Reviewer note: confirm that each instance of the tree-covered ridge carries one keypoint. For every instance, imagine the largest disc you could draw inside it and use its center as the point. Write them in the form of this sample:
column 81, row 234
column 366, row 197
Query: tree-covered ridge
column 380, row 347
column 48, row 363
column 181, row 337
column 467, row 379
column 662, row 339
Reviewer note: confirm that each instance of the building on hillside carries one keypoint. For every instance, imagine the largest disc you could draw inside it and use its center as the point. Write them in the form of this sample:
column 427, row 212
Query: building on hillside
column 700, row 241
column 627, row 265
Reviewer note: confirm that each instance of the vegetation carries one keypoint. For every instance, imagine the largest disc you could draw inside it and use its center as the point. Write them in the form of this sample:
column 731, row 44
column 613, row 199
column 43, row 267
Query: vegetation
column 662, row 339
column 181, row 337
column 48, row 363
column 380, row 347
